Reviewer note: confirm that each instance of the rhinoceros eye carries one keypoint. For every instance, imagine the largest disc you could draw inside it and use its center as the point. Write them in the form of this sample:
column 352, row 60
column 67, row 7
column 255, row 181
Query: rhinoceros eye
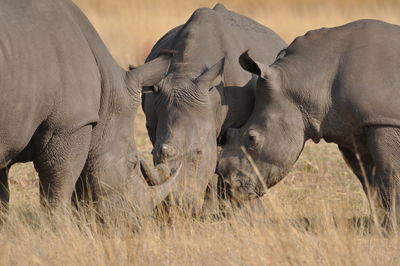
column 252, row 138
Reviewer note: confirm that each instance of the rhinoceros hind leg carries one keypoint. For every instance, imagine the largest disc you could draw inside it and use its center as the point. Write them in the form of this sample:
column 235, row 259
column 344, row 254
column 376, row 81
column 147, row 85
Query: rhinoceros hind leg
column 362, row 166
column 59, row 165
column 4, row 189
column 86, row 190
column 384, row 145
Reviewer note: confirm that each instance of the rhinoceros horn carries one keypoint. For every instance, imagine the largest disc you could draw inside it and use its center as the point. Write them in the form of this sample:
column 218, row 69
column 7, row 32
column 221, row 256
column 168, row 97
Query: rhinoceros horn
column 150, row 196
column 156, row 176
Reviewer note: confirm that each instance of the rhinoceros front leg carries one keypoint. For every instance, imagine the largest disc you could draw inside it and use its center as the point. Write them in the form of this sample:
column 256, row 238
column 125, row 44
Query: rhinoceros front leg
column 59, row 164
column 211, row 205
column 384, row 145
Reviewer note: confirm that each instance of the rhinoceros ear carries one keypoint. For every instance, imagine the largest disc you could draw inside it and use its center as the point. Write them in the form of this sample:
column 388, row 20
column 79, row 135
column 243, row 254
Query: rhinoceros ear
column 212, row 77
column 219, row 7
column 252, row 66
column 150, row 73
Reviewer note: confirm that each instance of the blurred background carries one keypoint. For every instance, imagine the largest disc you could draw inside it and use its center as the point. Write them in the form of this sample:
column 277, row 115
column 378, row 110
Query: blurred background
column 131, row 27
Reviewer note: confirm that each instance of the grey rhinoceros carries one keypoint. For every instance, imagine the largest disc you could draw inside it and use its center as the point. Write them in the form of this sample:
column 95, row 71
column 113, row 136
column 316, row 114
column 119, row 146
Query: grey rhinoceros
column 339, row 84
column 67, row 106
column 202, row 92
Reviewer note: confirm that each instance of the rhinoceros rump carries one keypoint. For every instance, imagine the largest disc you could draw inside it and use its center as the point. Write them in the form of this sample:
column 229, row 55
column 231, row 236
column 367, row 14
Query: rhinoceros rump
column 67, row 106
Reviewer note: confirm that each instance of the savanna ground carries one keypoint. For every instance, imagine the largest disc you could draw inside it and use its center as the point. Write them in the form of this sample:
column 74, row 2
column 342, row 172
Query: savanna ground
column 309, row 215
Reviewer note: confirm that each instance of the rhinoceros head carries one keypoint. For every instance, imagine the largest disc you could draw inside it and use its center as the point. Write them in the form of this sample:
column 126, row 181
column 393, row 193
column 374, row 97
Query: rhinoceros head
column 259, row 154
column 181, row 125
column 114, row 162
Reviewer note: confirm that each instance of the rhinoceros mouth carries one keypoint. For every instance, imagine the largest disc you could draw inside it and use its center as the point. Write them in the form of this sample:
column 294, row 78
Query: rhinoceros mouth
column 174, row 172
column 244, row 186
column 160, row 173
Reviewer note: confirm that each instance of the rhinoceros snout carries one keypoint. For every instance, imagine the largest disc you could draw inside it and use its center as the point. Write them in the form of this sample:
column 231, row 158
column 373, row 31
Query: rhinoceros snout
column 165, row 152
column 244, row 187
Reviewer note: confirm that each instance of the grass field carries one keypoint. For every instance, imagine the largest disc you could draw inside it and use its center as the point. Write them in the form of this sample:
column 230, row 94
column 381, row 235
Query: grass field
column 310, row 215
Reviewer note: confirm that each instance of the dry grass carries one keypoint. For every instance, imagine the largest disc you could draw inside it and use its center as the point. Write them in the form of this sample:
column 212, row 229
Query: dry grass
column 309, row 214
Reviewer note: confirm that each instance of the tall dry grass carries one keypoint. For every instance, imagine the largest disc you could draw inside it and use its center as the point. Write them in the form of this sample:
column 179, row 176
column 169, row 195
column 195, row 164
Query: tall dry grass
column 314, row 217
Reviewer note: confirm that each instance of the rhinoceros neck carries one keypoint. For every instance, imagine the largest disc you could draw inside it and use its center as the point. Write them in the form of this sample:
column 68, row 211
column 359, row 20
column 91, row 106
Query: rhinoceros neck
column 308, row 84
column 308, row 71
column 236, row 106
column 203, row 39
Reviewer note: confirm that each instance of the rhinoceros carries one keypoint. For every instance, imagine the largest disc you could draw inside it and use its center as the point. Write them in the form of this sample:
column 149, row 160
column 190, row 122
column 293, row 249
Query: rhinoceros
column 202, row 92
column 68, row 106
column 339, row 84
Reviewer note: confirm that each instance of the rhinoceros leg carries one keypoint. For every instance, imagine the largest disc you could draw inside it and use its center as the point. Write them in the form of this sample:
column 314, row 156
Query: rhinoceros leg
column 362, row 166
column 59, row 165
column 384, row 145
column 4, row 190
column 211, row 205
column 86, row 190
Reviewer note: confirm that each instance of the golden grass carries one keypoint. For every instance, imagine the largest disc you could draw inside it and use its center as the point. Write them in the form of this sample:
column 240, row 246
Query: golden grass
column 309, row 214
column 130, row 28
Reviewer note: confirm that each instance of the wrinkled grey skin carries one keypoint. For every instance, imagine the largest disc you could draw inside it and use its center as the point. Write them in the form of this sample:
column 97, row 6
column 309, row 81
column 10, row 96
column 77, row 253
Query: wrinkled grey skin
column 339, row 84
column 67, row 106
column 203, row 92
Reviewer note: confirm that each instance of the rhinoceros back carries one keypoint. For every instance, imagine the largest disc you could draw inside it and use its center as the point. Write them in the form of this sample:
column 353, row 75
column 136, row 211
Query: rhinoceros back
column 262, row 42
column 48, row 74
column 369, row 74
column 350, row 70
